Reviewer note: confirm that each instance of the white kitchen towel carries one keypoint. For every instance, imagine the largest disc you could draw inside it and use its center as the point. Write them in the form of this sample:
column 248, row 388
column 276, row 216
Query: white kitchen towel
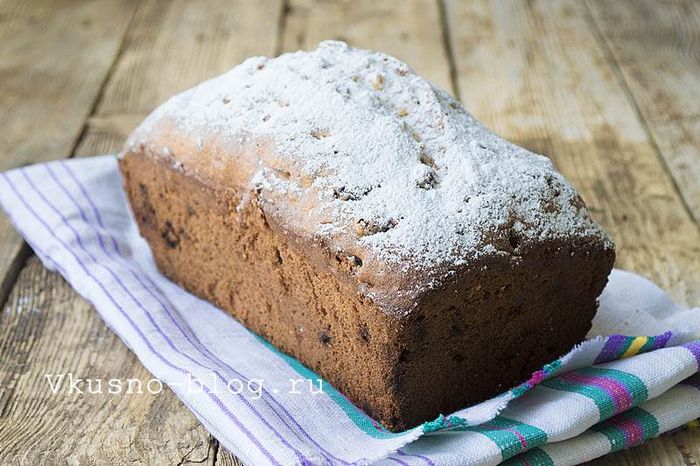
column 634, row 379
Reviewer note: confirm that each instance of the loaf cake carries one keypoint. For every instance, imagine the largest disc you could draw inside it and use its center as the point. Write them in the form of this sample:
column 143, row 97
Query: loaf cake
column 358, row 218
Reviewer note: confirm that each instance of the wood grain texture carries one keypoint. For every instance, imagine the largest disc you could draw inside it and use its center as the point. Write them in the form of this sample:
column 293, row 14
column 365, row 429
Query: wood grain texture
column 536, row 74
column 173, row 45
column 656, row 45
column 224, row 458
column 54, row 57
column 170, row 47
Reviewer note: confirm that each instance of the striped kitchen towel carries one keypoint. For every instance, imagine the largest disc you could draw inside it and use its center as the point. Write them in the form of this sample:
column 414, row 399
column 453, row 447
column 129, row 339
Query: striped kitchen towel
column 611, row 392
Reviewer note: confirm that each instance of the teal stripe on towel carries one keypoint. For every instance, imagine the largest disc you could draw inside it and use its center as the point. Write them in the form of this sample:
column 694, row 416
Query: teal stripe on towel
column 357, row 416
column 511, row 436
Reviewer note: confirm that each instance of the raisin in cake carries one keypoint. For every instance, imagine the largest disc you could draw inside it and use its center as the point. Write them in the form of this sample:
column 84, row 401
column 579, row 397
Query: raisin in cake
column 357, row 217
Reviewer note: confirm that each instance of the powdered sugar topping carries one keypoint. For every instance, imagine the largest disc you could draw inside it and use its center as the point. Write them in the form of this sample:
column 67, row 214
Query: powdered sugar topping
column 381, row 157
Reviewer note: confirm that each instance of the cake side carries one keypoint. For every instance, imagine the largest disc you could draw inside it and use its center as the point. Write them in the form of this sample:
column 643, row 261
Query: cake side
column 354, row 149
column 233, row 259
column 479, row 333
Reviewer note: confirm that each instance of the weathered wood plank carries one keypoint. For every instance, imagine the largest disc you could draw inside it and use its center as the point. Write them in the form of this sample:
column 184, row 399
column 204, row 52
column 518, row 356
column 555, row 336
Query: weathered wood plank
column 174, row 45
column 535, row 73
column 224, row 458
column 655, row 46
column 54, row 57
column 170, row 46
column 679, row 144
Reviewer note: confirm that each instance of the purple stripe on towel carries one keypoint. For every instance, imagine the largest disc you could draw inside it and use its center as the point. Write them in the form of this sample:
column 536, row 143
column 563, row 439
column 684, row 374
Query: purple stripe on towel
column 427, row 460
column 694, row 348
column 660, row 341
column 52, row 174
column 143, row 337
column 69, row 171
column 396, row 460
column 611, row 349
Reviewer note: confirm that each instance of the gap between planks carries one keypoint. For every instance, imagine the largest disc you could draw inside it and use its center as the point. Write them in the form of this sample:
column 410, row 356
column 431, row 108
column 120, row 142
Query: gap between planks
column 100, row 93
column 624, row 85
column 447, row 44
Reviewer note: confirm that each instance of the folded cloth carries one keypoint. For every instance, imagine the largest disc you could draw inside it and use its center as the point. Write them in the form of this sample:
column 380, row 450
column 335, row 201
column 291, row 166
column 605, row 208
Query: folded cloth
column 265, row 407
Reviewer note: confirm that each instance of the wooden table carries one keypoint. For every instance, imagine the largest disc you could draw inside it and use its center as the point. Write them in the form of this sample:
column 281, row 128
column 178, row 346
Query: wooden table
column 610, row 90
